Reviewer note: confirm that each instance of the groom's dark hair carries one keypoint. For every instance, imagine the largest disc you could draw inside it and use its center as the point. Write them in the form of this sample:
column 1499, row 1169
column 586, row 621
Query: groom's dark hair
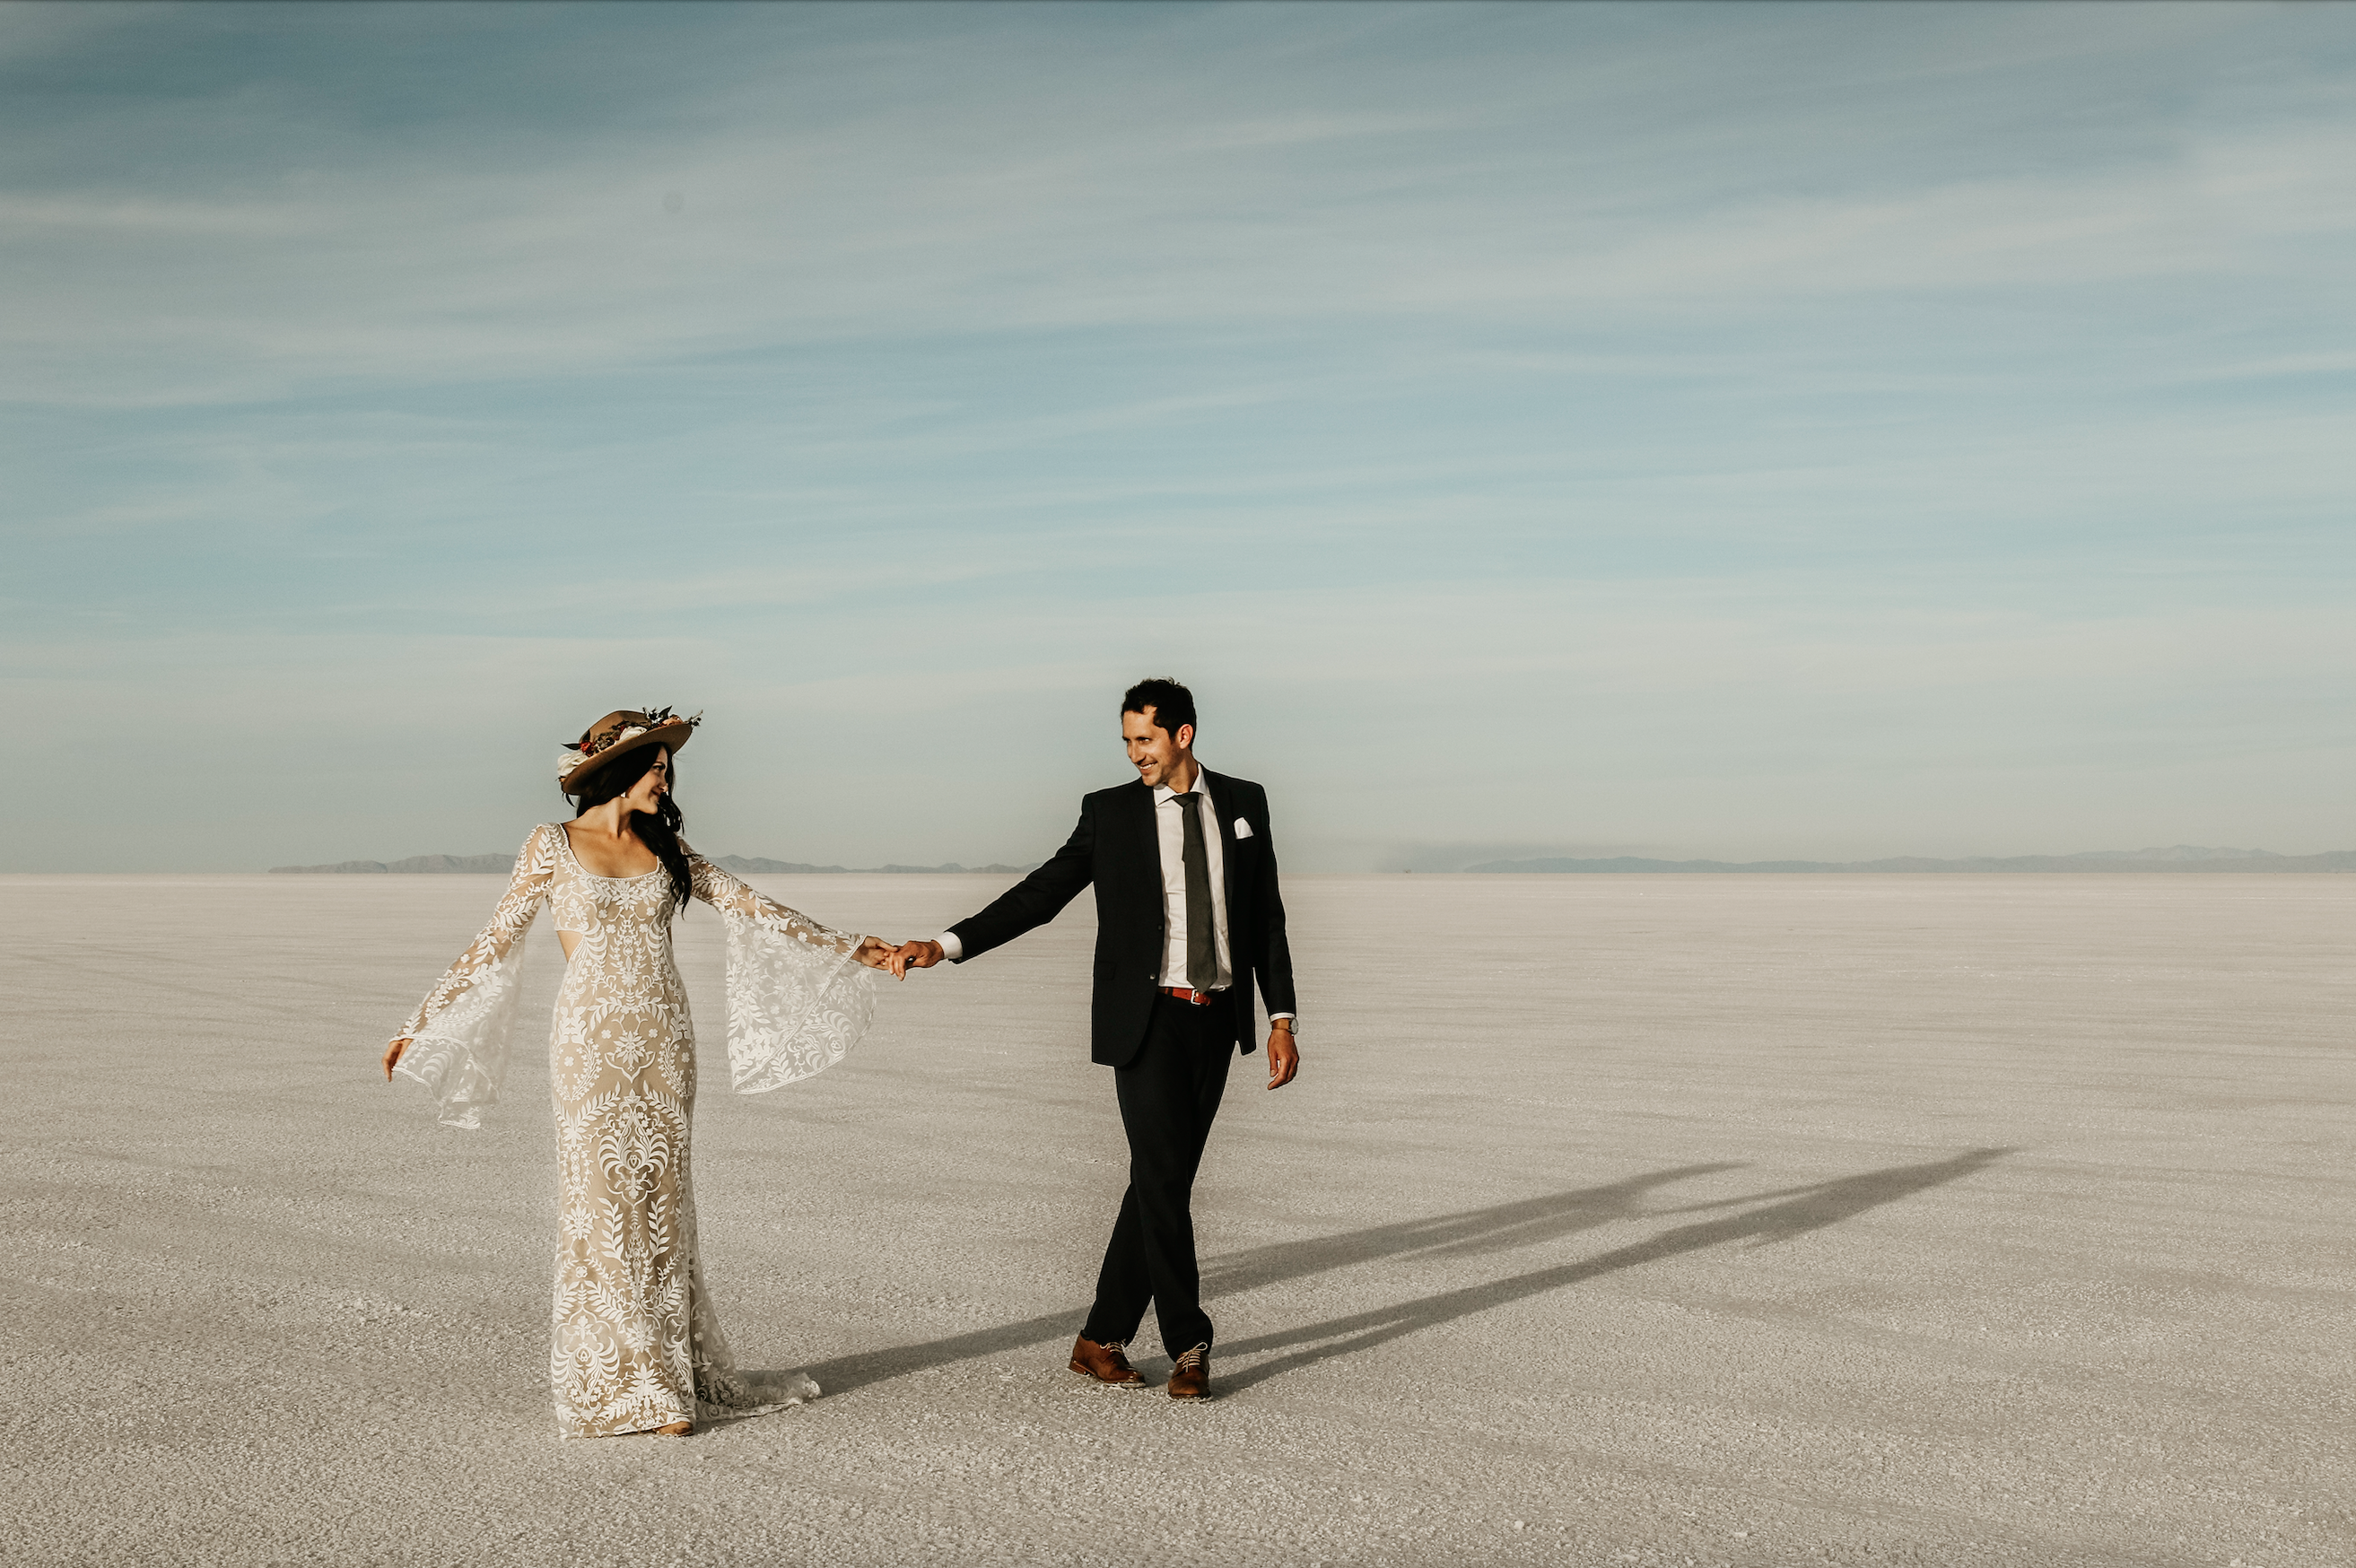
column 1172, row 704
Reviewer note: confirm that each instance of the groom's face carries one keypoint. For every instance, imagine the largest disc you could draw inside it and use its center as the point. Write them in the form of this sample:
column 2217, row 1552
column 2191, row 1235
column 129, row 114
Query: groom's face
column 1153, row 751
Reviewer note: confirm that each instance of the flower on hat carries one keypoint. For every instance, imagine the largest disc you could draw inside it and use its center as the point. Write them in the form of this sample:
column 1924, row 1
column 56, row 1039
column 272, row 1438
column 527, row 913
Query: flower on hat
column 576, row 752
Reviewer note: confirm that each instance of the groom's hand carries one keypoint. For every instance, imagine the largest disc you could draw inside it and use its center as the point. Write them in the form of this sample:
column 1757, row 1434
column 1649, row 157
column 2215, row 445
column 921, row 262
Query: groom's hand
column 915, row 956
column 1283, row 1058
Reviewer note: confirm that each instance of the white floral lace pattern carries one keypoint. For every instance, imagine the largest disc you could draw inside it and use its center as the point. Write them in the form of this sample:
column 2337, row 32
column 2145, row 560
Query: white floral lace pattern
column 798, row 1001
column 459, row 1035
column 637, row 1344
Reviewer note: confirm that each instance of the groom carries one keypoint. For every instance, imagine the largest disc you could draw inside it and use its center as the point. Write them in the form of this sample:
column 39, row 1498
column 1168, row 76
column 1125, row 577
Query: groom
column 1187, row 917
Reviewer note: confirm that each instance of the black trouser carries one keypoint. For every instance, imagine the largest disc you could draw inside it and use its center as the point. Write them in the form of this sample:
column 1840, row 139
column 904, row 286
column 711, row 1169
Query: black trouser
column 1169, row 1093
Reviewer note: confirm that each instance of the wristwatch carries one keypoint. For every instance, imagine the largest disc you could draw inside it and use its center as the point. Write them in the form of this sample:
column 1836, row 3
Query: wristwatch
column 1289, row 1026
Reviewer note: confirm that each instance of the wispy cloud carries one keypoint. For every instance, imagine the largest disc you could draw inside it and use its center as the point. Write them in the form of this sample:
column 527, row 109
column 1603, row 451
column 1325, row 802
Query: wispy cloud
column 1033, row 194
column 1728, row 430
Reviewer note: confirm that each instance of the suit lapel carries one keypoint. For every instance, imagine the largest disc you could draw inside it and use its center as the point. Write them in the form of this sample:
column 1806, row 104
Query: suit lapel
column 1217, row 786
column 1146, row 838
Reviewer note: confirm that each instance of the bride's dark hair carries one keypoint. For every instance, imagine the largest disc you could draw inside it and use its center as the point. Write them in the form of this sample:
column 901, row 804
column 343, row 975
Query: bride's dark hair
column 659, row 829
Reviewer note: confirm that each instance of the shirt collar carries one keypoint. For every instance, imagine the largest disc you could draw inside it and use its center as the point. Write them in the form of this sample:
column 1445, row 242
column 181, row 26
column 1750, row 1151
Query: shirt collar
column 1162, row 792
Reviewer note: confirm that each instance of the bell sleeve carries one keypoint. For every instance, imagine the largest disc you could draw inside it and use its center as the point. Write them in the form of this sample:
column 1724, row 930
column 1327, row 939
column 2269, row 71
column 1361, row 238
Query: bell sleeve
column 798, row 1001
column 459, row 1036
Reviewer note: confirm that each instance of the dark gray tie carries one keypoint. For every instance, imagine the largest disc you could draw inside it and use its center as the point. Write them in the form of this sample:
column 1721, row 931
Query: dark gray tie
column 1202, row 944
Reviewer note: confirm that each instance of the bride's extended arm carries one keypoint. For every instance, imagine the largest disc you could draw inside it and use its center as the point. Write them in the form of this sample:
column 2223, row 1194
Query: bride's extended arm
column 729, row 895
column 796, row 1007
column 535, row 867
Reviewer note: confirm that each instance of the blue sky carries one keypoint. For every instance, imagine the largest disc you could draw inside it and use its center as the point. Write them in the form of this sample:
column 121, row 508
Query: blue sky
column 1745, row 431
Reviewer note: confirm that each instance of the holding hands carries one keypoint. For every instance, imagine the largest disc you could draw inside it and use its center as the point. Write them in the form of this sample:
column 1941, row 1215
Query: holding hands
column 914, row 955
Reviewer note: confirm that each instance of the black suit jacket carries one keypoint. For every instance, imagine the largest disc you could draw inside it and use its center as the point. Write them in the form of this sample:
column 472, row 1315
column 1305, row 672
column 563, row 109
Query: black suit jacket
column 1117, row 847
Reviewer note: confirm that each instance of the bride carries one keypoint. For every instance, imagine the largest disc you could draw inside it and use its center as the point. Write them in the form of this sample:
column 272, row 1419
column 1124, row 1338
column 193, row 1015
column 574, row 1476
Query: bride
column 637, row 1346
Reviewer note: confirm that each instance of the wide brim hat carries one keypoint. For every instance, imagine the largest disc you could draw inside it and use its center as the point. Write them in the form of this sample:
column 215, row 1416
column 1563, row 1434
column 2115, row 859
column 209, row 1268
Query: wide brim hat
column 627, row 729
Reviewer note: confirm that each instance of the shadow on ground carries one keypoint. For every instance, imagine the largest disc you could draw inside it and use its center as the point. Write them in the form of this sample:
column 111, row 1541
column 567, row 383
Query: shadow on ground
column 1788, row 1212
column 1765, row 1218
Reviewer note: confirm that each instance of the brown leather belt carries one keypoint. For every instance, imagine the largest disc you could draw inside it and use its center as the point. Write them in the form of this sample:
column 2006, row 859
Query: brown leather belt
column 1199, row 998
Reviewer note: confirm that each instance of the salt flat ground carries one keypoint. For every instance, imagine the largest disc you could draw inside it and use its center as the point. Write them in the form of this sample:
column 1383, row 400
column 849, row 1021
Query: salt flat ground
column 1656, row 1219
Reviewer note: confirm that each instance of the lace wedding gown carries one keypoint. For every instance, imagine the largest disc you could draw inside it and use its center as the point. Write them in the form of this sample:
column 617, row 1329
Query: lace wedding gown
column 637, row 1343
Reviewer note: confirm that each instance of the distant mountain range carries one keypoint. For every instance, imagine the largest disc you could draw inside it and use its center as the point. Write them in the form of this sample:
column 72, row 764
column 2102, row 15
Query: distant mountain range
column 469, row 863
column 741, row 865
column 2177, row 857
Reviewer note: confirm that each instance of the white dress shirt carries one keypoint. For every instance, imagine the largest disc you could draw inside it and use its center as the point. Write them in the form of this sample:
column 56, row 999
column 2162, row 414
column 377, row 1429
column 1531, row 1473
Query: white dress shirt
column 1170, row 828
column 1170, row 825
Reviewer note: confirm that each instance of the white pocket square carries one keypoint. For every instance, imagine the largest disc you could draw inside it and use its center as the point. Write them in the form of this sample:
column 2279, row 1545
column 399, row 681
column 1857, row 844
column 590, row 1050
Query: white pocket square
column 1243, row 828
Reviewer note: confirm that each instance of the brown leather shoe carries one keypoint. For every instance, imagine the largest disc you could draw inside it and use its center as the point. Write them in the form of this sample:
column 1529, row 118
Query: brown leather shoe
column 1191, row 1377
column 1105, row 1363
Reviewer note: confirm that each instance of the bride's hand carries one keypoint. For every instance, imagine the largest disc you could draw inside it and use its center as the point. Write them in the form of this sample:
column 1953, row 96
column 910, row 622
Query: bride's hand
column 393, row 1056
column 874, row 954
